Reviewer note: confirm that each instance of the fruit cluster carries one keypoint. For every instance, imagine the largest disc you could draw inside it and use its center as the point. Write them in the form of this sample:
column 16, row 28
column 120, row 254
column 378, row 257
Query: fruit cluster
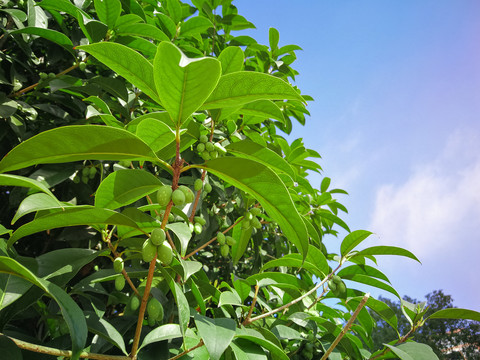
column 156, row 245
column 337, row 286
column 85, row 175
column 225, row 243
column 251, row 219
column 180, row 196
column 209, row 150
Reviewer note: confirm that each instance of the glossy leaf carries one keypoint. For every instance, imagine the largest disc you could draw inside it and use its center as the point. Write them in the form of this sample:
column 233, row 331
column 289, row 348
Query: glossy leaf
column 164, row 332
column 246, row 350
column 264, row 109
column 124, row 187
column 35, row 202
column 416, row 351
column 72, row 314
column 455, row 313
column 108, row 11
column 182, row 83
column 386, row 250
column 251, row 150
column 217, row 334
column 229, row 298
column 52, row 35
column 77, row 142
column 155, row 133
column 367, row 280
column 9, row 349
column 16, row 180
column 241, row 87
column 183, row 233
column 104, row 329
column 232, row 59
column 264, row 185
column 144, row 30
column 127, row 63
column 384, row 311
column 195, row 25
column 352, row 240
column 255, row 337
column 72, row 216
column 363, row 270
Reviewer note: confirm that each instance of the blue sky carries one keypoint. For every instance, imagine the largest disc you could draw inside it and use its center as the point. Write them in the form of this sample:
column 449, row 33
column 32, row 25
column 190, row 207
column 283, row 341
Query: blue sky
column 396, row 119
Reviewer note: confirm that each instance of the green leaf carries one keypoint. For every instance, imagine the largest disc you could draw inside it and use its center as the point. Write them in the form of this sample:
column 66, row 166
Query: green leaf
column 164, row 332
column 352, row 240
column 217, row 334
column 108, row 11
column 155, row 133
column 454, row 313
column 104, row 329
column 72, row 216
column 294, row 260
column 264, row 185
column 366, row 279
column 11, row 289
column 182, row 83
column 9, row 349
column 144, row 30
column 127, row 63
column 52, row 35
column 266, row 109
column 257, row 338
column 363, row 270
column 416, row 351
column 232, row 59
column 72, row 314
column 385, row 250
column 286, row 332
column 195, row 25
column 383, row 310
column 174, row 10
column 246, row 350
column 77, row 142
column 16, row 14
column 16, row 180
column 400, row 353
column 35, row 202
column 229, row 298
column 183, row 233
column 124, row 187
column 190, row 268
column 273, row 38
column 183, row 307
column 62, row 5
column 251, row 150
column 242, row 87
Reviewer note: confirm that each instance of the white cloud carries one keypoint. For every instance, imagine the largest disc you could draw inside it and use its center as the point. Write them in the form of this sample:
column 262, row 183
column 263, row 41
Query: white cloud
column 427, row 213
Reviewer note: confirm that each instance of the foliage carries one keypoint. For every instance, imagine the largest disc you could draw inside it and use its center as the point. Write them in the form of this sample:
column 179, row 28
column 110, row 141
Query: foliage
column 122, row 119
column 440, row 335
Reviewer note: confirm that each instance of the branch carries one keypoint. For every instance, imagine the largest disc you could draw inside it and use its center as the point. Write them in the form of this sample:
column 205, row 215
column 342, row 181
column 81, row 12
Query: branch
column 187, row 351
column 346, row 327
column 64, row 353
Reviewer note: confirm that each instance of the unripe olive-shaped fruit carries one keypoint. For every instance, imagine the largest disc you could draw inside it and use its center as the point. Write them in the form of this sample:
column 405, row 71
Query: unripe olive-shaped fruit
column 200, row 220
column 188, row 193
column 155, row 309
column 157, row 237
column 178, row 197
column 148, row 251
column 85, row 179
column 151, row 321
column 76, row 179
column 249, row 216
column 256, row 223
column 309, row 347
column 43, row 75
column 134, row 303
column 92, row 172
column 118, row 264
column 332, row 285
column 246, row 224
column 209, row 147
column 224, row 250
column 191, row 227
column 230, row 240
column 51, row 75
column 119, row 283
column 164, row 195
column 340, row 290
column 201, row 147
column 207, row 188
column 198, row 184
column 165, row 253
column 221, row 238
column 213, row 154
column 85, row 171
column 206, row 155
column 256, row 211
column 203, row 138
column 336, row 279
column 82, row 66
column 197, row 228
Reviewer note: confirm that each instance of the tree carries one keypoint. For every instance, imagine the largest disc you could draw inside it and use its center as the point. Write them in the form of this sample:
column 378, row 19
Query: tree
column 449, row 338
column 151, row 206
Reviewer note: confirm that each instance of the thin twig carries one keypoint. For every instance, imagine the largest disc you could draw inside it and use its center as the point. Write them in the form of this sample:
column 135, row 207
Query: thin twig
column 254, row 301
column 64, row 353
column 187, row 351
column 346, row 327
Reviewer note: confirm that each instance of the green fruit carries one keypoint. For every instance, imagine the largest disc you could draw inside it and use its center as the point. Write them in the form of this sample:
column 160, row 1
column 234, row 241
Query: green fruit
column 246, row 224
column 76, row 179
column 148, row 251
column 155, row 309
column 206, row 155
column 119, row 283
column 85, row 171
column 332, row 285
column 203, row 138
column 191, row 227
column 197, row 228
column 198, row 185
column 51, row 75
column 200, row 220
column 230, row 241
column 225, row 250
column 82, row 66
column 134, row 303
column 92, row 172
column 43, row 75
column 201, row 147
column 157, row 237
column 85, row 179
column 165, row 253
column 118, row 264
column 221, row 238
column 189, row 196
column 209, row 147
column 256, row 223
column 336, row 279
column 178, row 197
column 231, row 126
column 207, row 188
column 213, row 154
column 164, row 195
column 151, row 321
column 256, row 211
column 341, row 290
column 249, row 216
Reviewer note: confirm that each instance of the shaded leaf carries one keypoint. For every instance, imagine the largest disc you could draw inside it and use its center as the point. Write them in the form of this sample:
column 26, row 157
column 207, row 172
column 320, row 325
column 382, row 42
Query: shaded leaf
column 104, row 329
column 217, row 334
column 164, row 332
column 52, row 35
column 385, row 250
column 455, row 313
